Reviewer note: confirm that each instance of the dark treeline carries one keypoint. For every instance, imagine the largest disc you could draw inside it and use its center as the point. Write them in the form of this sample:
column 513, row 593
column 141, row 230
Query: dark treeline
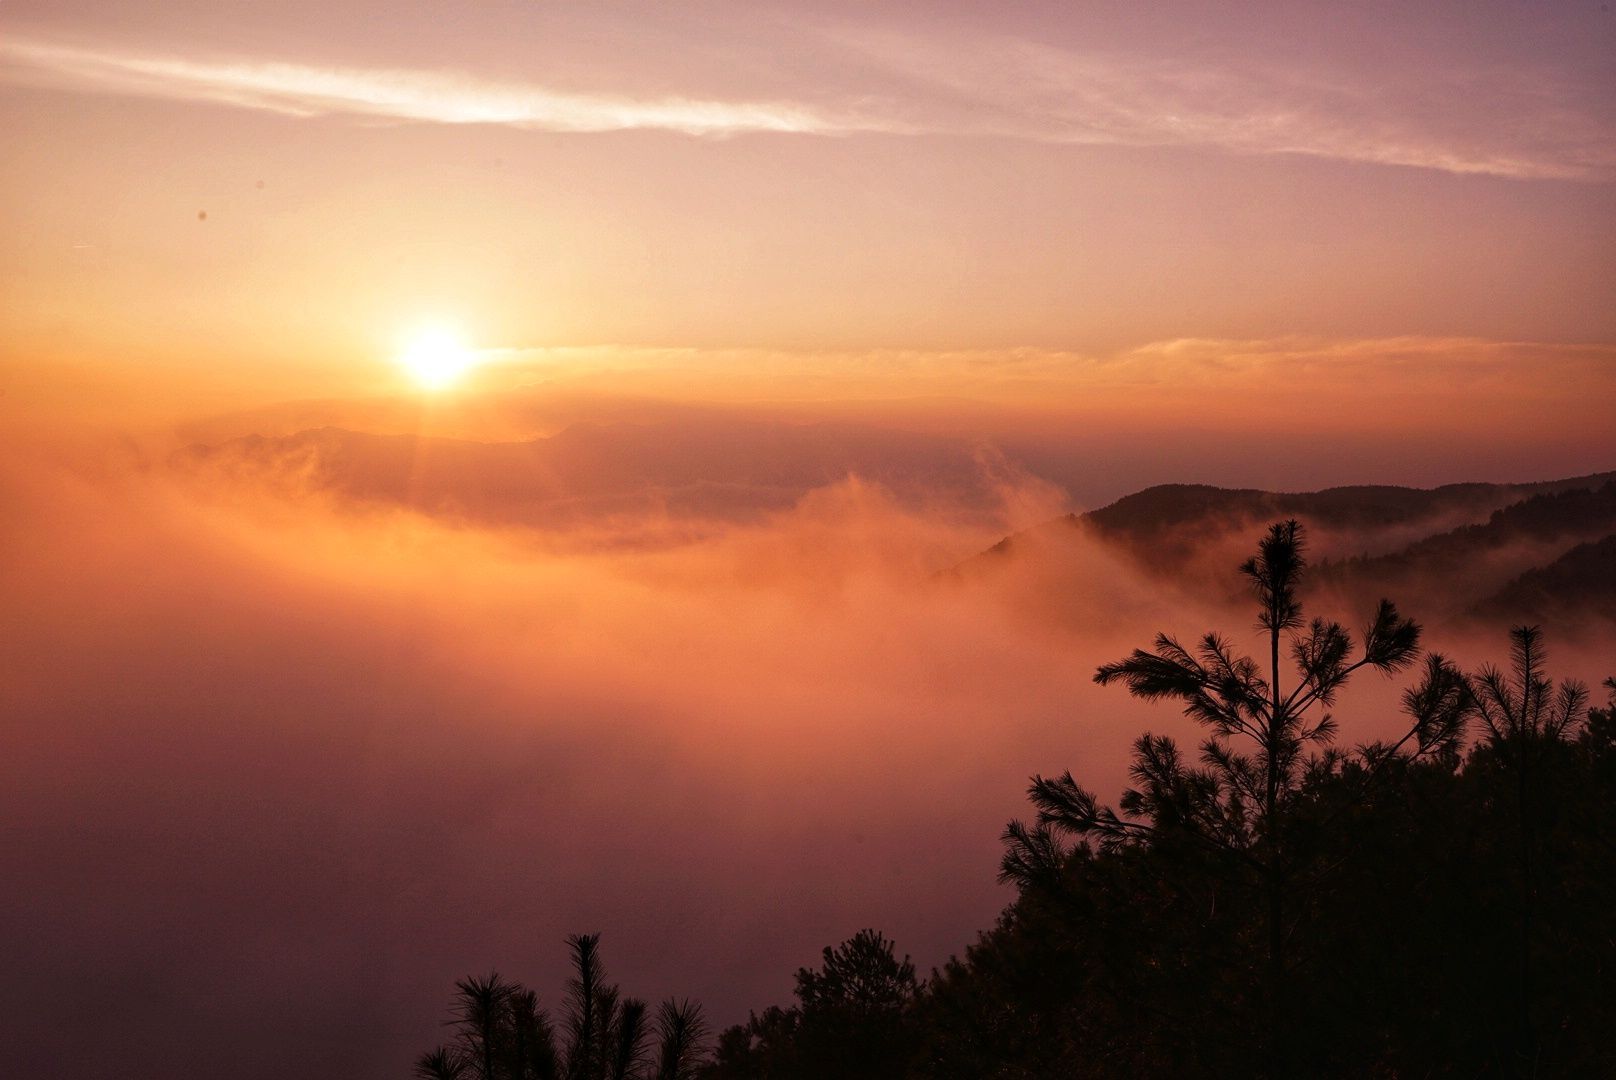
column 500, row 1031
column 1272, row 903
column 1588, row 512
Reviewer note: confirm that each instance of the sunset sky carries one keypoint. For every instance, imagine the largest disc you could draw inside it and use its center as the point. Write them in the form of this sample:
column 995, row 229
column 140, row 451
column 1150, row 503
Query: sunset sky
column 806, row 302
column 794, row 177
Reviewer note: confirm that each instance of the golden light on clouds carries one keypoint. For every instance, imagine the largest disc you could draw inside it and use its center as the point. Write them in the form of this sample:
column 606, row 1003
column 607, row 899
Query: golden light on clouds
column 497, row 471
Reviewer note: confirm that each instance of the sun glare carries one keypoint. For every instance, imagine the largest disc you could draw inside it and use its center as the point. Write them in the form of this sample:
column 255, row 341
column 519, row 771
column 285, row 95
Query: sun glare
column 435, row 357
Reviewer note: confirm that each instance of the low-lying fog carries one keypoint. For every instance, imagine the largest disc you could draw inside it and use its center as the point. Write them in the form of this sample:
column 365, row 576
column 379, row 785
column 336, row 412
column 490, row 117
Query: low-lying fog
column 283, row 762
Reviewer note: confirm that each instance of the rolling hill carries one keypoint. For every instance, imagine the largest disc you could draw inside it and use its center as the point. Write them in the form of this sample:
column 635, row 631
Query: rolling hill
column 1509, row 551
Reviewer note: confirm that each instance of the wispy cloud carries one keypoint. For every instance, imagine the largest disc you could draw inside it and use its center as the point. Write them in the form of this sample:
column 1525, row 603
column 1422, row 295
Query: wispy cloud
column 1496, row 123
column 1284, row 372
column 396, row 94
column 1504, row 124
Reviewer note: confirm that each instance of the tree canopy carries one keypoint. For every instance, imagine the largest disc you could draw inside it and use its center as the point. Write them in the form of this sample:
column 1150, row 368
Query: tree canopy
column 1275, row 902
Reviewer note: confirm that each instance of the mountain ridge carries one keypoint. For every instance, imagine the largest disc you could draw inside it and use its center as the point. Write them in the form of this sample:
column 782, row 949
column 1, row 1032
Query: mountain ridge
column 1500, row 548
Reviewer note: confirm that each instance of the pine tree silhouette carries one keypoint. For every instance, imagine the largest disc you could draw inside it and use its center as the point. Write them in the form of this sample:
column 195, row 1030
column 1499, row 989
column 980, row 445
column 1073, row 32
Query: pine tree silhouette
column 1527, row 718
column 502, row 1033
column 1237, row 802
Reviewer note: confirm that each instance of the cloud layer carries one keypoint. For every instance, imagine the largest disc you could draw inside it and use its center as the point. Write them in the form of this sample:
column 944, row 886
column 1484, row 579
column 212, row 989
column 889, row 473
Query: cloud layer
column 1530, row 129
column 1002, row 87
column 406, row 95
column 281, row 767
column 281, row 770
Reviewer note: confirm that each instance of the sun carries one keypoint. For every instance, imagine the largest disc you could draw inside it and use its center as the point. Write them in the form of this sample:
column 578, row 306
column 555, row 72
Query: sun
column 436, row 357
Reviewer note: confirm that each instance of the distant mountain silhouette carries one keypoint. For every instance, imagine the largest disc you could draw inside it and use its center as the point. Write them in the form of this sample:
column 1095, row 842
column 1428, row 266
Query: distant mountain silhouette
column 1505, row 551
column 1580, row 582
column 1513, row 541
column 1461, row 548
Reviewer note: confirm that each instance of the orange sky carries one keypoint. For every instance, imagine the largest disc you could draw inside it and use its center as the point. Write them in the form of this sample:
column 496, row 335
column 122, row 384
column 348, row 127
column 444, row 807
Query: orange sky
column 799, row 303
column 801, row 177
